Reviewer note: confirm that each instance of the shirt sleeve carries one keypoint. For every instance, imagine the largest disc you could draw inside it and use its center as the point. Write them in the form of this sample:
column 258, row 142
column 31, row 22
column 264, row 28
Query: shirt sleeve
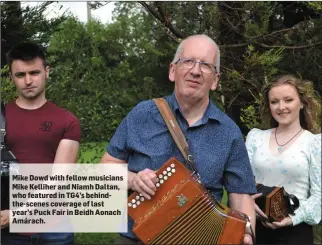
column 251, row 143
column 118, row 145
column 73, row 129
column 238, row 172
column 310, row 209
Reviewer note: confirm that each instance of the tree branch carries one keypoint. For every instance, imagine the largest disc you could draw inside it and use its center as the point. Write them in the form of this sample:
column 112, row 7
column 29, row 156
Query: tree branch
column 263, row 45
column 154, row 13
column 161, row 17
column 168, row 22
column 158, row 20
column 287, row 47
column 273, row 33
column 233, row 45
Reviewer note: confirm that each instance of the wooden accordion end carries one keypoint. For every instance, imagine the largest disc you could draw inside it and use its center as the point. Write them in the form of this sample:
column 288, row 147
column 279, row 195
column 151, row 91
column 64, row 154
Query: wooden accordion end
column 272, row 202
column 183, row 212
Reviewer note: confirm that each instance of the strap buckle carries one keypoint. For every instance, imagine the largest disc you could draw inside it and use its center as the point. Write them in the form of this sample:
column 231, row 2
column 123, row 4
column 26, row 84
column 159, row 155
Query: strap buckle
column 190, row 158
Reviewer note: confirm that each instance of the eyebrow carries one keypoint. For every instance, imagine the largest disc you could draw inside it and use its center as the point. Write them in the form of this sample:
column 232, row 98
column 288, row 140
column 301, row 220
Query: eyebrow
column 286, row 97
column 24, row 73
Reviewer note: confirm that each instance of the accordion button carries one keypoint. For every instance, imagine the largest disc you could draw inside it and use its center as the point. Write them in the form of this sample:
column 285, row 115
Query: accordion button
column 160, row 176
column 161, row 181
column 134, row 206
column 157, row 184
column 138, row 203
column 173, row 170
column 165, row 177
column 140, row 195
column 142, row 199
column 130, row 204
column 164, row 172
column 133, row 200
column 172, row 165
column 169, row 174
column 137, row 197
column 168, row 169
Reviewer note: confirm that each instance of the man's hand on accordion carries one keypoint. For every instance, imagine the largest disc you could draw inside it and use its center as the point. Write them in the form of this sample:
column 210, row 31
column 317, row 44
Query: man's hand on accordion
column 259, row 213
column 248, row 239
column 144, row 182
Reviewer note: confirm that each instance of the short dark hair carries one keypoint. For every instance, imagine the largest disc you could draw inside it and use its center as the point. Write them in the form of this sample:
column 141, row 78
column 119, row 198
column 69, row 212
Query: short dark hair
column 25, row 51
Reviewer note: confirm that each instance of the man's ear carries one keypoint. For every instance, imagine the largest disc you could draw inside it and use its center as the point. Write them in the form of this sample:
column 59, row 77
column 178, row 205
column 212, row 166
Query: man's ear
column 172, row 72
column 47, row 69
column 215, row 82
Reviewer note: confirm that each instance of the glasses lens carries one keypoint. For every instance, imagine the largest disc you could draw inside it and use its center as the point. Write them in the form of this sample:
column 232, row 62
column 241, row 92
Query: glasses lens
column 206, row 68
column 188, row 63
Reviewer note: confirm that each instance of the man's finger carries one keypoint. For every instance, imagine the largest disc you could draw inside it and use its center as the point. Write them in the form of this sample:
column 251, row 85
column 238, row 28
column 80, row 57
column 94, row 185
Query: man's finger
column 147, row 180
column 256, row 195
column 247, row 239
column 260, row 212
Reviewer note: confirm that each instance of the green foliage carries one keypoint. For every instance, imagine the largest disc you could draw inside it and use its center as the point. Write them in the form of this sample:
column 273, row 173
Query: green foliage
column 317, row 233
column 20, row 22
column 250, row 117
column 91, row 152
column 101, row 72
column 95, row 238
column 8, row 90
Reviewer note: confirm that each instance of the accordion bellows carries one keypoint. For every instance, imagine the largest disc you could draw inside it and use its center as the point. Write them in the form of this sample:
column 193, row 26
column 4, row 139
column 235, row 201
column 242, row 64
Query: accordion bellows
column 183, row 212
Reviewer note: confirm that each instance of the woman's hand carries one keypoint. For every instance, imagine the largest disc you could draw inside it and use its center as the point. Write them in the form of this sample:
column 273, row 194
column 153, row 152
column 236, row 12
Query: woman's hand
column 275, row 225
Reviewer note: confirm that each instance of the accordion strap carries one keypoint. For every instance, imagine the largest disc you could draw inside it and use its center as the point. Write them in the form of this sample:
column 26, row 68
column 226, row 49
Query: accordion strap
column 175, row 131
column 295, row 202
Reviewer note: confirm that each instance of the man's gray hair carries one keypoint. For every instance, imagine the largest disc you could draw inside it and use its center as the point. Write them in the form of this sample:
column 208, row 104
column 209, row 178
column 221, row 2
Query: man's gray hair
column 181, row 47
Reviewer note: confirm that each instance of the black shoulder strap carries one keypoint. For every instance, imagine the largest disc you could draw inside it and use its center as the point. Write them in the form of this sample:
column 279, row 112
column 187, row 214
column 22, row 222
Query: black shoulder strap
column 3, row 123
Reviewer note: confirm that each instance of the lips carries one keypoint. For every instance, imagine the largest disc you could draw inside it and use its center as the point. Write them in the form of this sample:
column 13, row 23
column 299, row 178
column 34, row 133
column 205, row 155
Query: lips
column 193, row 81
column 29, row 88
column 283, row 114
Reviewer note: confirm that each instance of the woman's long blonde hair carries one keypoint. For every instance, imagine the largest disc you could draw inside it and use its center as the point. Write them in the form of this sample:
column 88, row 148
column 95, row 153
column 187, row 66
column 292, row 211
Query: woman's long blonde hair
column 309, row 115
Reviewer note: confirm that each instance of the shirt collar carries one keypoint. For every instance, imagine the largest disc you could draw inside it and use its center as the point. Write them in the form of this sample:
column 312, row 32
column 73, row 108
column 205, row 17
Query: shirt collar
column 212, row 111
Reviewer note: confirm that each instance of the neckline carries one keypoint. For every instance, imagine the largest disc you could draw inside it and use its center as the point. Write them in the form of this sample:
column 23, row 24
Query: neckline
column 30, row 110
column 296, row 141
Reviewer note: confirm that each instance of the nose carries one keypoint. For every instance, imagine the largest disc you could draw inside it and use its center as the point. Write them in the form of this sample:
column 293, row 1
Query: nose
column 195, row 70
column 28, row 79
column 281, row 105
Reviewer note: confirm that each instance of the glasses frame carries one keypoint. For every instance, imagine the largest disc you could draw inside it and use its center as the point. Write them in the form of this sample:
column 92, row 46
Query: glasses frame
column 199, row 62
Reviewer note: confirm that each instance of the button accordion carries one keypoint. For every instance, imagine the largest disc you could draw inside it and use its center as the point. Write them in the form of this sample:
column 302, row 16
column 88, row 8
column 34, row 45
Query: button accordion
column 183, row 212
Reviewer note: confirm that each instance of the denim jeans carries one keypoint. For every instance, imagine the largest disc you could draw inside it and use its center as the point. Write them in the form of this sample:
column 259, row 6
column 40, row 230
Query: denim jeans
column 37, row 239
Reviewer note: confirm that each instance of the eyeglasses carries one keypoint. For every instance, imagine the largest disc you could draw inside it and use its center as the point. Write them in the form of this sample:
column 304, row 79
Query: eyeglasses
column 204, row 66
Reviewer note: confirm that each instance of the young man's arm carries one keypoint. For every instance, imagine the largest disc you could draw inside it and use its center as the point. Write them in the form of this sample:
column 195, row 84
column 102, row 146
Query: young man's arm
column 67, row 151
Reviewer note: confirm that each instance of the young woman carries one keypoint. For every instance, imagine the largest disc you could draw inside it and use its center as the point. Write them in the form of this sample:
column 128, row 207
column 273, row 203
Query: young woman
column 288, row 154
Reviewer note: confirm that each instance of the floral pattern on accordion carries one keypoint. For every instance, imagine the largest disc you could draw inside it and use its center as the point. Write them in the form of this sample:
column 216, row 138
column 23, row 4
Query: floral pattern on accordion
column 297, row 169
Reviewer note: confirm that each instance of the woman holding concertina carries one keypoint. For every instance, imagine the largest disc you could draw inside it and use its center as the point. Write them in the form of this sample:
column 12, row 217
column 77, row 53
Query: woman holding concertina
column 288, row 154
